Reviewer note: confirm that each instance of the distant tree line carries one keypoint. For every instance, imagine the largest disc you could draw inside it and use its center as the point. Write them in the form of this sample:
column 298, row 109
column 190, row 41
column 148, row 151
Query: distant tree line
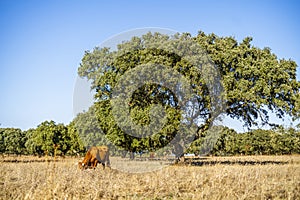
column 52, row 139
column 228, row 142
column 48, row 138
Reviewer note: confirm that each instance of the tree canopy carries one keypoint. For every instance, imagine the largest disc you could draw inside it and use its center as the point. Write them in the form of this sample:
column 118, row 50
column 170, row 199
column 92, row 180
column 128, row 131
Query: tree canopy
column 224, row 77
column 255, row 81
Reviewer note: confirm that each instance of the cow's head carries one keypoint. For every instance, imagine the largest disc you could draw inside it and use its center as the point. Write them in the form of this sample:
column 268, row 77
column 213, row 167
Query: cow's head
column 81, row 165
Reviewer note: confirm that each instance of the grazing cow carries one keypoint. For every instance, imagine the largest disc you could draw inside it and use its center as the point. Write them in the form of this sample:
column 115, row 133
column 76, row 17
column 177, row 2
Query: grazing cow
column 94, row 156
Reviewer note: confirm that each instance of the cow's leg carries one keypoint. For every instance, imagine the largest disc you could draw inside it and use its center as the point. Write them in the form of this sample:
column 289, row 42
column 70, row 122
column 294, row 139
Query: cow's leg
column 95, row 163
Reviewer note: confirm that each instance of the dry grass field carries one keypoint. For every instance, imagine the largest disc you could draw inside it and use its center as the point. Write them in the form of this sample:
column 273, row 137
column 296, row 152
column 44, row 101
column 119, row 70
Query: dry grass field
column 249, row 177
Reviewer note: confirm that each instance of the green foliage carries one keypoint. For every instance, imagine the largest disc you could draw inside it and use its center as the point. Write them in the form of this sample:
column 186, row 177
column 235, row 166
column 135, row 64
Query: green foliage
column 30, row 144
column 12, row 141
column 256, row 142
column 106, row 68
column 74, row 141
column 218, row 140
column 254, row 81
column 46, row 137
column 88, row 129
column 89, row 133
column 131, row 143
column 50, row 138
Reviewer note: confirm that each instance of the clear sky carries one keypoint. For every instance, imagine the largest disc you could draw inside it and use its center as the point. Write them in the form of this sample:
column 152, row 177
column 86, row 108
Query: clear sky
column 42, row 42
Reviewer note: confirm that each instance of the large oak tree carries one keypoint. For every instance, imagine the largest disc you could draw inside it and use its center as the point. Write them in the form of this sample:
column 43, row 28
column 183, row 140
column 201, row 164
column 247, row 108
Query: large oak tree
column 250, row 84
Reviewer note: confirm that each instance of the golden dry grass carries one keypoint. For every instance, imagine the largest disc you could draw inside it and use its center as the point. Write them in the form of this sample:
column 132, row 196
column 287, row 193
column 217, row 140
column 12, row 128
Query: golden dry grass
column 251, row 177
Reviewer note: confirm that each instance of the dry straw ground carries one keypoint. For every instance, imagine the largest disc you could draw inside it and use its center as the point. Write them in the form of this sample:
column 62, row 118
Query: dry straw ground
column 251, row 177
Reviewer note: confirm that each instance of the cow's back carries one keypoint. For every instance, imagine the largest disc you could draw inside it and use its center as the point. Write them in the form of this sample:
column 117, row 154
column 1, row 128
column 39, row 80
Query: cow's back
column 94, row 151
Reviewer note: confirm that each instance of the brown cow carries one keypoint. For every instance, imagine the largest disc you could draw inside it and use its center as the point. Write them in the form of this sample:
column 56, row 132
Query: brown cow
column 94, row 156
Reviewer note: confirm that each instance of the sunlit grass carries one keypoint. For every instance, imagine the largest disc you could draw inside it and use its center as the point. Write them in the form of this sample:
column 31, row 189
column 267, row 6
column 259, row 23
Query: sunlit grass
column 251, row 177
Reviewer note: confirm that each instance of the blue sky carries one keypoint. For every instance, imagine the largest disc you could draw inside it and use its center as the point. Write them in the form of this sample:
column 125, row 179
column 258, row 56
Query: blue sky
column 42, row 42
